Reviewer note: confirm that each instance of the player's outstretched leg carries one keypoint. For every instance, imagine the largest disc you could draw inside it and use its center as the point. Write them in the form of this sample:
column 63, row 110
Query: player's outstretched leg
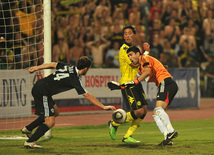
column 112, row 130
column 134, row 126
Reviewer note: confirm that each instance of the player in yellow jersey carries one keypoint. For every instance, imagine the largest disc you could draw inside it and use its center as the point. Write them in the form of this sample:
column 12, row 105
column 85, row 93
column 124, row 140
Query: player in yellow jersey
column 133, row 97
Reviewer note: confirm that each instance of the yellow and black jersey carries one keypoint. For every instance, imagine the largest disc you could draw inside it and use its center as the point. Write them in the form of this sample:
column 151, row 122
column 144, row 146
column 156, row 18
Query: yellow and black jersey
column 128, row 73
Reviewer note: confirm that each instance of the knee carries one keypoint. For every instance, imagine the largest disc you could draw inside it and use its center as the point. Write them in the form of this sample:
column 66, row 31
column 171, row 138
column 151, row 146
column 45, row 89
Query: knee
column 143, row 111
column 50, row 121
column 50, row 124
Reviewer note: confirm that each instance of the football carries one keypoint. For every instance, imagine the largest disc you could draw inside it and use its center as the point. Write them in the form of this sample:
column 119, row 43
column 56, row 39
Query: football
column 119, row 116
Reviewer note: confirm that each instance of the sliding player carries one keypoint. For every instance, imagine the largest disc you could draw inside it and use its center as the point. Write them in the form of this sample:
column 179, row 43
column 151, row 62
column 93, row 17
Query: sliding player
column 65, row 77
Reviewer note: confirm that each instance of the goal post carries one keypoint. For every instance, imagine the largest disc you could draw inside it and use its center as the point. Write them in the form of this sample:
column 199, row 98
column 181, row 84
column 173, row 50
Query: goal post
column 25, row 41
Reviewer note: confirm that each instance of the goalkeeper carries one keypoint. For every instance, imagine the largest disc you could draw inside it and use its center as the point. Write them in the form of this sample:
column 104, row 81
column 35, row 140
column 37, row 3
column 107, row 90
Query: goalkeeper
column 152, row 70
column 134, row 97
column 65, row 77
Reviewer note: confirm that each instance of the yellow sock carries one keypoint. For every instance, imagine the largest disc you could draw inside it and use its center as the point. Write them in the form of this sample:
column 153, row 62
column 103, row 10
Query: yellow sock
column 128, row 119
column 115, row 124
column 135, row 124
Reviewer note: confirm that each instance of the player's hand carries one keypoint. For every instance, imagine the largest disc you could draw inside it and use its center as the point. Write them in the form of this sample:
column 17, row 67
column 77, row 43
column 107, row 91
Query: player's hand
column 146, row 47
column 33, row 69
column 130, row 84
column 109, row 108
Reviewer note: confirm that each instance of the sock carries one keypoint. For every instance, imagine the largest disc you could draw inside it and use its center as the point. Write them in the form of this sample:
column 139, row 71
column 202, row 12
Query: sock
column 130, row 116
column 42, row 129
column 36, row 123
column 115, row 124
column 164, row 118
column 142, row 117
column 160, row 125
column 135, row 124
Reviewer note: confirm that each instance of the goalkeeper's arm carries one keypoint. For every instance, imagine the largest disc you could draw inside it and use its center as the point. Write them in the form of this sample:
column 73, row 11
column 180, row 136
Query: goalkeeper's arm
column 142, row 77
column 145, row 74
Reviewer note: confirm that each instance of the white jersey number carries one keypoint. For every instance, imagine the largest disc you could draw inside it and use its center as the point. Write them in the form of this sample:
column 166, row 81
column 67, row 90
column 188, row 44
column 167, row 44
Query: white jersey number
column 61, row 75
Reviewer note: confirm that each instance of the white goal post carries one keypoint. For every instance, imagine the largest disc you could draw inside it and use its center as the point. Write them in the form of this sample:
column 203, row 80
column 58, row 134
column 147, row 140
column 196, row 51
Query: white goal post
column 25, row 41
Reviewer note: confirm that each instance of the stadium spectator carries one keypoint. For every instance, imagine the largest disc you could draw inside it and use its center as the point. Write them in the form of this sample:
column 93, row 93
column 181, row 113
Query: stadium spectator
column 29, row 54
column 166, row 14
column 187, row 36
column 140, row 36
column 134, row 15
column 172, row 33
column 183, row 54
column 60, row 50
column 210, row 75
column 156, row 6
column 75, row 52
column 156, row 47
column 26, row 18
column 154, row 29
column 112, row 56
column 103, row 4
column 98, row 47
column 40, row 50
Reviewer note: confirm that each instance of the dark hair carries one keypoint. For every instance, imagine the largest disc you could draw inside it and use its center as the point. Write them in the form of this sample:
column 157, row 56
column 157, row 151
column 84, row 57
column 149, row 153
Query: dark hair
column 134, row 49
column 83, row 62
column 129, row 27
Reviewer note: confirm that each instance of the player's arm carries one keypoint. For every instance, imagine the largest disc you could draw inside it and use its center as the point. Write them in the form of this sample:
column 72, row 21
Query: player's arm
column 142, row 77
column 43, row 66
column 93, row 100
column 145, row 74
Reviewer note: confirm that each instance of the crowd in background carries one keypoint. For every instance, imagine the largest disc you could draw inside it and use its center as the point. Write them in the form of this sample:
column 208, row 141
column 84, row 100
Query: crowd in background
column 180, row 33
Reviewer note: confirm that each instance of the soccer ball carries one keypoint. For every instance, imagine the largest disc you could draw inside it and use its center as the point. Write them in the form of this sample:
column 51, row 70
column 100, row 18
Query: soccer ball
column 119, row 116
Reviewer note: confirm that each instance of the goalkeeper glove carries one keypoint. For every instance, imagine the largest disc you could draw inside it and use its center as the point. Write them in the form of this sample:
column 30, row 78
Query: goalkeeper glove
column 130, row 84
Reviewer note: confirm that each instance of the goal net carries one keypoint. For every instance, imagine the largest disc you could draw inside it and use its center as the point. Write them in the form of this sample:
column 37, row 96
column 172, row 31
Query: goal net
column 21, row 46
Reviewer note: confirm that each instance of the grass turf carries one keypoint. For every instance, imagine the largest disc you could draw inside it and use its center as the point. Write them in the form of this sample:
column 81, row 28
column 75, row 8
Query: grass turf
column 195, row 137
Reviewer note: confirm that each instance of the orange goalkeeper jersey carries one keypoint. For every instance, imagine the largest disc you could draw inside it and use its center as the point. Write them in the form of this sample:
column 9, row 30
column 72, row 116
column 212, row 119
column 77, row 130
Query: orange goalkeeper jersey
column 158, row 71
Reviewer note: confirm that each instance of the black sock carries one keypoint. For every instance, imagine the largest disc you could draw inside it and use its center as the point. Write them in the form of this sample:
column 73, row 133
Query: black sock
column 133, row 115
column 42, row 129
column 142, row 117
column 36, row 123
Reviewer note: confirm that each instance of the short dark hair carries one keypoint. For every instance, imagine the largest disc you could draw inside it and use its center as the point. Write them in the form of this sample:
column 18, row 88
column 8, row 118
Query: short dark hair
column 83, row 62
column 129, row 27
column 134, row 49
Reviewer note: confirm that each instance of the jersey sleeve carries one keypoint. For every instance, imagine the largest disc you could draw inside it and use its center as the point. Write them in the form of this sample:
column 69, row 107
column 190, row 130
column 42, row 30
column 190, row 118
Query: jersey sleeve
column 60, row 65
column 123, row 55
column 79, row 88
column 145, row 62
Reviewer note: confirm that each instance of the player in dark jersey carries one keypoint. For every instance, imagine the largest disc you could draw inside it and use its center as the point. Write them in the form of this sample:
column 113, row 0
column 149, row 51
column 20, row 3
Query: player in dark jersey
column 65, row 77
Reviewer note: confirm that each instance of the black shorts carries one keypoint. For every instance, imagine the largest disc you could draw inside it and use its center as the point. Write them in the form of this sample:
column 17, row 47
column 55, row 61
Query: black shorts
column 134, row 97
column 44, row 104
column 167, row 90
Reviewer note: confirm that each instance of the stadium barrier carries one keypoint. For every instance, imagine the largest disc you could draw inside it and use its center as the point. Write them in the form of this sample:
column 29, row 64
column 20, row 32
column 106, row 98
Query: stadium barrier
column 16, row 97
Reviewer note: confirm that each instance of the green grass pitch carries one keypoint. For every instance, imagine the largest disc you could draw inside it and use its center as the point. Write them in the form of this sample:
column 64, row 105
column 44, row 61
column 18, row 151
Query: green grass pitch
column 195, row 137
